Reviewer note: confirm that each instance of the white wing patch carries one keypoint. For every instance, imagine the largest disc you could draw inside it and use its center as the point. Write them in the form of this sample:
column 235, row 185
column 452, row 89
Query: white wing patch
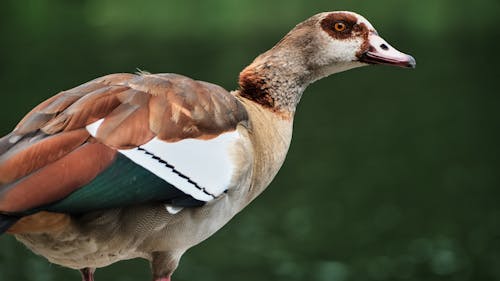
column 92, row 128
column 200, row 168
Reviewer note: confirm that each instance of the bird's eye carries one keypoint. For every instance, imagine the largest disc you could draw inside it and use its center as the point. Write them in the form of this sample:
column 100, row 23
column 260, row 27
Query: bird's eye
column 340, row 26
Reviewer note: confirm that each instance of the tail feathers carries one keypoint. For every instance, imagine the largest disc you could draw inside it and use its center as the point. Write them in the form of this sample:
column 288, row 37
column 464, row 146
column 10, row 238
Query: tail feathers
column 6, row 221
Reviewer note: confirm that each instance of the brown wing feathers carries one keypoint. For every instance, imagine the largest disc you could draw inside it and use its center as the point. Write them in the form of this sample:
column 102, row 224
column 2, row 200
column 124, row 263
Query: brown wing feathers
column 40, row 115
column 192, row 109
column 50, row 153
column 58, row 179
column 30, row 153
column 127, row 125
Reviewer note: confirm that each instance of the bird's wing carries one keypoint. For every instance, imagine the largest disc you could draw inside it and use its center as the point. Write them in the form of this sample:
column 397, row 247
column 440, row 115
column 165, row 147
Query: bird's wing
column 122, row 139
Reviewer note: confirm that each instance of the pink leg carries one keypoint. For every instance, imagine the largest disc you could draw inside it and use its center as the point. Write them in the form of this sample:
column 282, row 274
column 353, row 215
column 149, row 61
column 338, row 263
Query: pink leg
column 163, row 265
column 87, row 274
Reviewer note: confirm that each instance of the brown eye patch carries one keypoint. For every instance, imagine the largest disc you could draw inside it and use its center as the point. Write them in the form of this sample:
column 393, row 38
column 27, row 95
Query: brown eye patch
column 340, row 25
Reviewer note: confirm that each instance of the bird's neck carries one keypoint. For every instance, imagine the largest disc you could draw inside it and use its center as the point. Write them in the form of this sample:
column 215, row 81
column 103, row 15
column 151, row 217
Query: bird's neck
column 270, row 138
column 275, row 80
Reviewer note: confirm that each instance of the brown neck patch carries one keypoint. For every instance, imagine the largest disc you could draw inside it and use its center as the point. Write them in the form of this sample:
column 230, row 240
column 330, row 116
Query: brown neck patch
column 255, row 88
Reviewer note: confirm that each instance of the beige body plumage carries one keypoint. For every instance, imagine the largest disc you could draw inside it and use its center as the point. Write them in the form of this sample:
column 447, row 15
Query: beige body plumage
column 110, row 181
column 149, row 231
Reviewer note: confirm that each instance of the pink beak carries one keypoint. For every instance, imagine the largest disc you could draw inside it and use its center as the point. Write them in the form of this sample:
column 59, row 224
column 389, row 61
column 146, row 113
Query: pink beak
column 380, row 52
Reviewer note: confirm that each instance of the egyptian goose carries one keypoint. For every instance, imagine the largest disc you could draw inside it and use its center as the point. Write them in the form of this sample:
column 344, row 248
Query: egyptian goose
column 148, row 165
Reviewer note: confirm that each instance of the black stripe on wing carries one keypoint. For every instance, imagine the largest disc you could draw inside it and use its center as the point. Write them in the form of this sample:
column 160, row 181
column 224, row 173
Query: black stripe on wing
column 170, row 166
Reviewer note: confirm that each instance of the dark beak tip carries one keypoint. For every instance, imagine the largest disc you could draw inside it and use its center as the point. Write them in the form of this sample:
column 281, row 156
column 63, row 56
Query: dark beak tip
column 412, row 63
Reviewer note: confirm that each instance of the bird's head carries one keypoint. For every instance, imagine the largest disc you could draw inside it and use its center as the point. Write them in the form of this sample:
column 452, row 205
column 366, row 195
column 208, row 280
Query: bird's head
column 322, row 45
column 336, row 41
column 354, row 39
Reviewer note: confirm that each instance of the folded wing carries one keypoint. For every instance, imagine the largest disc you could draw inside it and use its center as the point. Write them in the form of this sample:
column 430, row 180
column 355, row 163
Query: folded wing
column 122, row 139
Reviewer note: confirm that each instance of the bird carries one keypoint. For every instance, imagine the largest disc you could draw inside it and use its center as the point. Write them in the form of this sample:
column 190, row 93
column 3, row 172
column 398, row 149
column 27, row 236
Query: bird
column 141, row 165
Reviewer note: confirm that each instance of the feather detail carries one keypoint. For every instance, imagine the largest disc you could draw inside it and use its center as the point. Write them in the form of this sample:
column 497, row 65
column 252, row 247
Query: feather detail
column 8, row 141
column 87, row 109
column 56, row 180
column 127, row 125
column 45, row 111
column 35, row 151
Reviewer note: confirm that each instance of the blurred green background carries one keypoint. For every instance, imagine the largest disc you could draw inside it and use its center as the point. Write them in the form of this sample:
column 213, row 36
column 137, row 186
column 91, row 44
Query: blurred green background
column 392, row 174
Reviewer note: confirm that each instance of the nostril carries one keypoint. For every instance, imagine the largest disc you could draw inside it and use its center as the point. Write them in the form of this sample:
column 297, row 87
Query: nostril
column 384, row 47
